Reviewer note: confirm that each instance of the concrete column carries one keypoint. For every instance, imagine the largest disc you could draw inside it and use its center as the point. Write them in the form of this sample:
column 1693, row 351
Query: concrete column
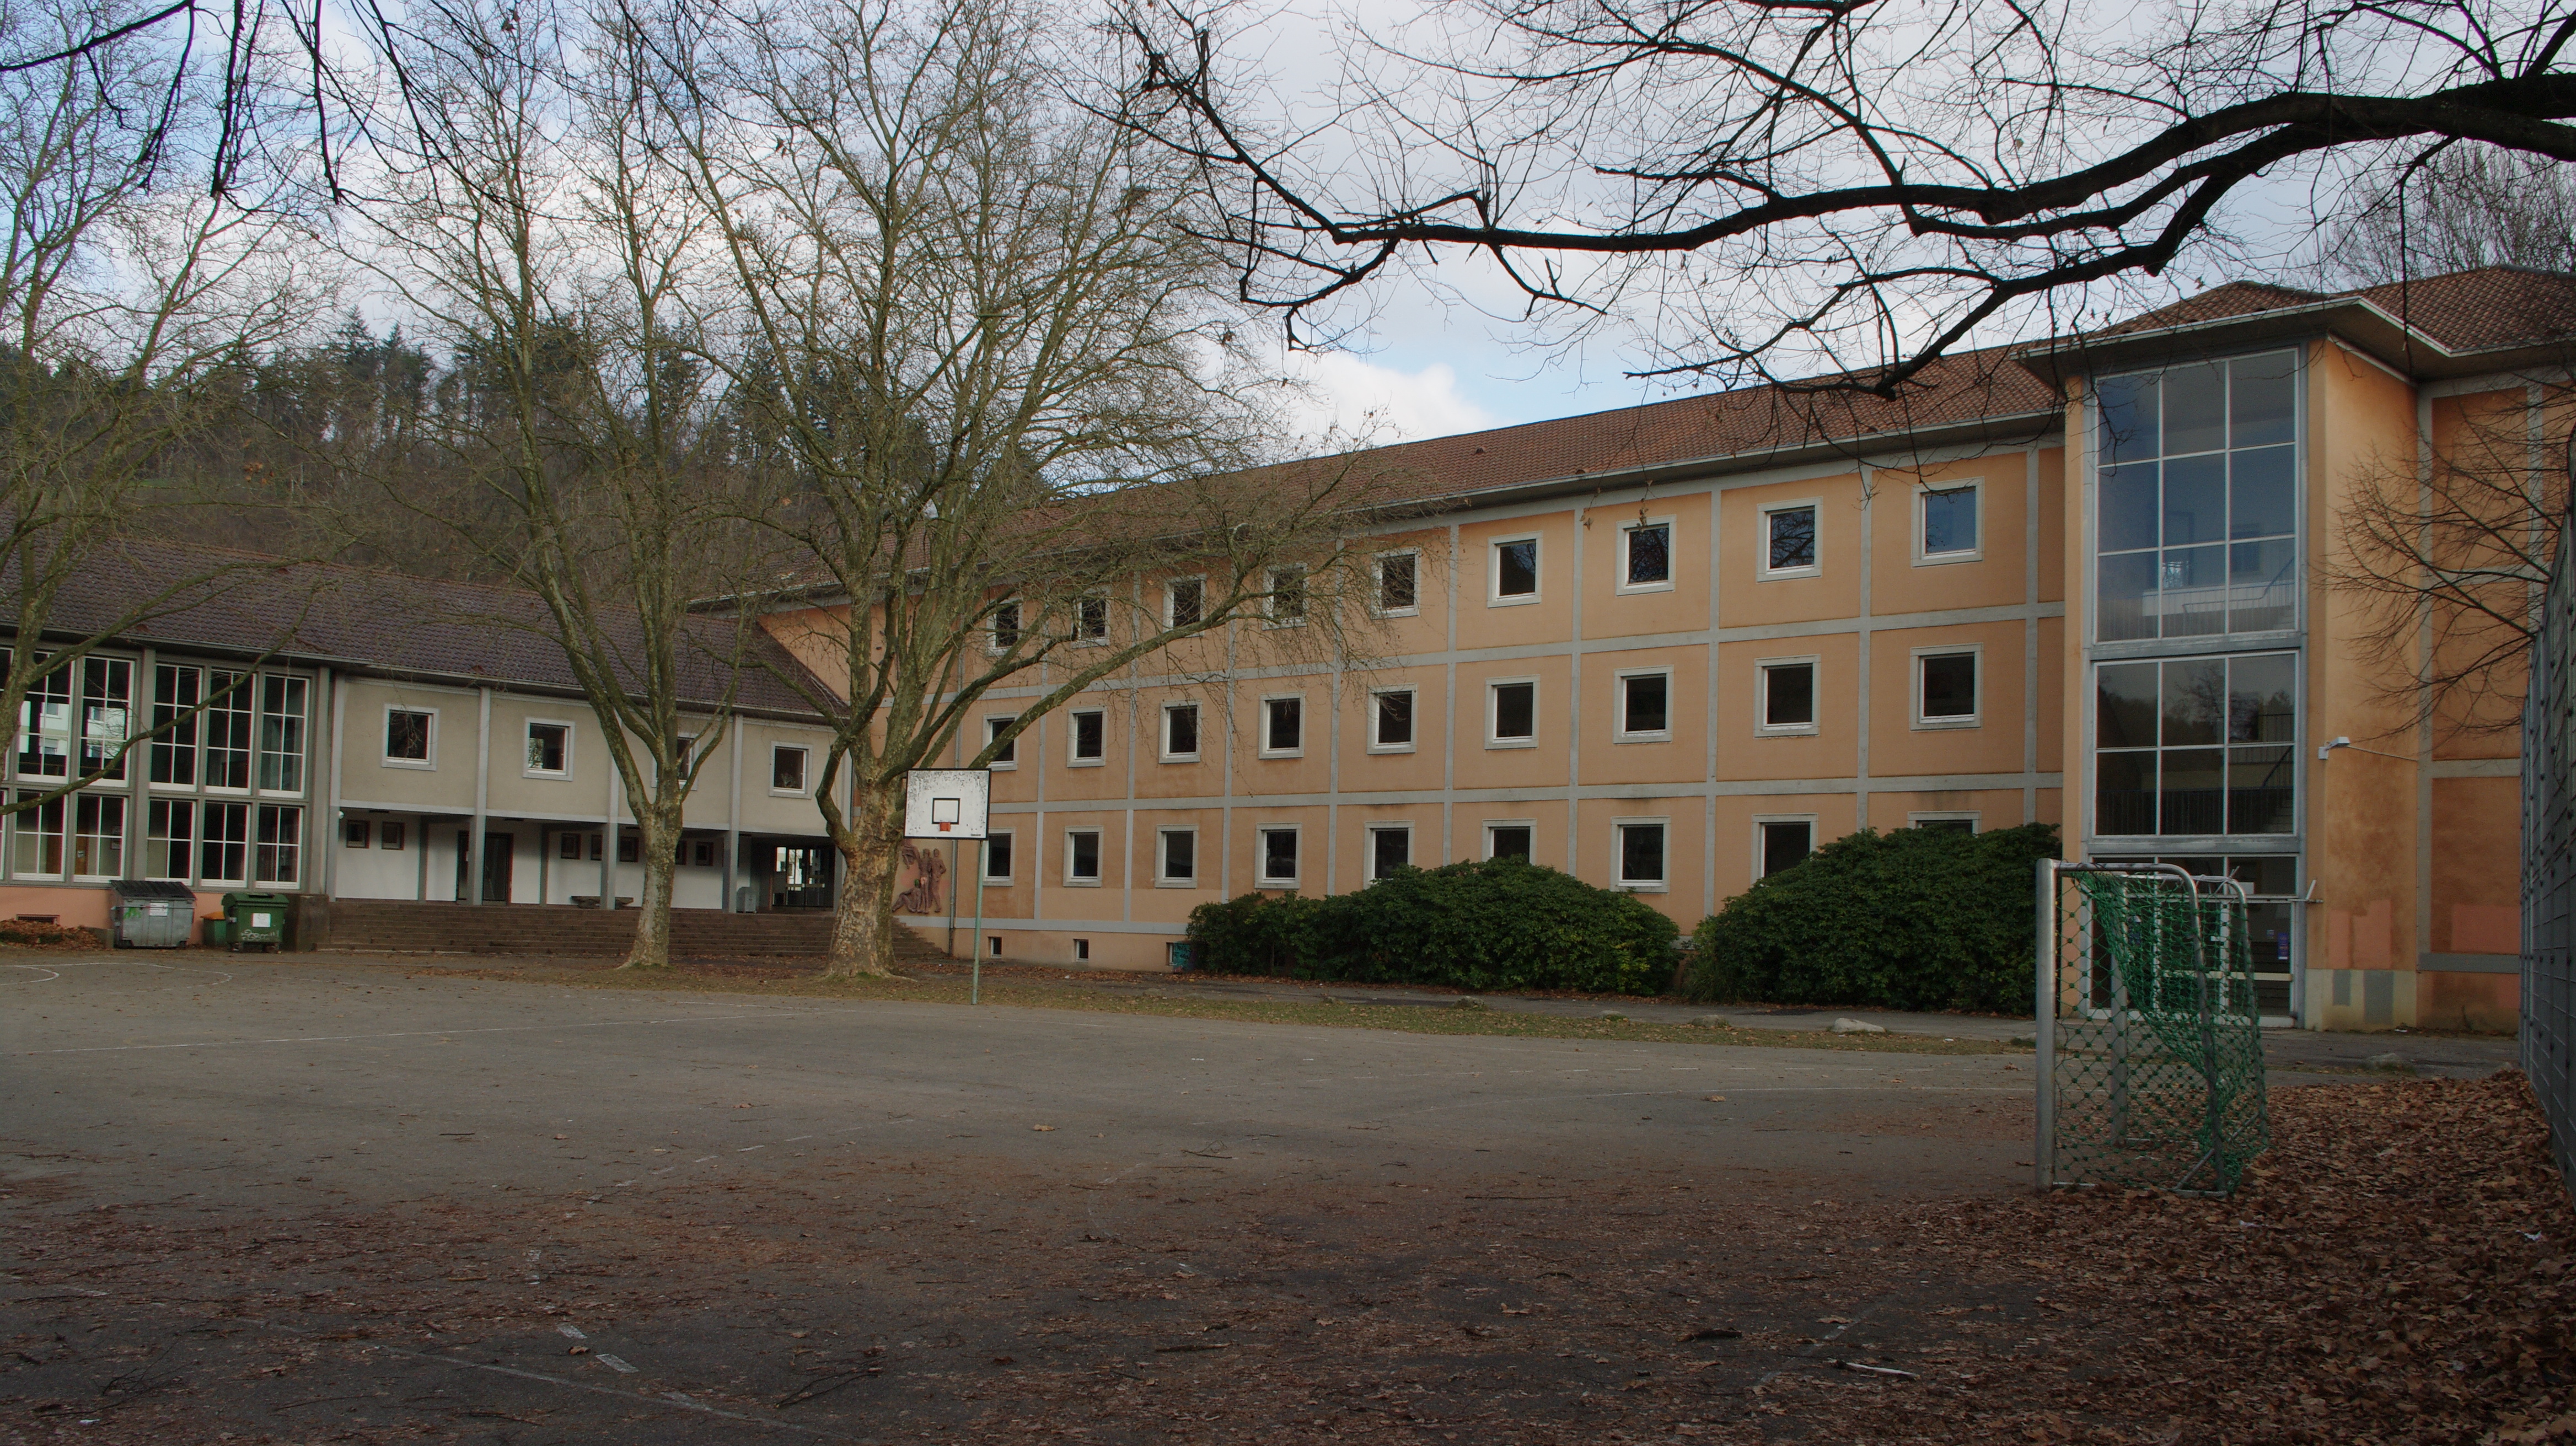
column 482, row 795
column 329, row 770
column 733, row 822
column 608, row 844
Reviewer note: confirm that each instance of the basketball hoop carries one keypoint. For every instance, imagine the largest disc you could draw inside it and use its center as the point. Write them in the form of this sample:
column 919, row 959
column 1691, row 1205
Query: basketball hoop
column 944, row 813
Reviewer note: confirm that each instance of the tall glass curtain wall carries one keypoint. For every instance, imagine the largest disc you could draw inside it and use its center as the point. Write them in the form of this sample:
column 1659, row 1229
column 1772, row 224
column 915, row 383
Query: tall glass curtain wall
column 231, row 750
column 2196, row 669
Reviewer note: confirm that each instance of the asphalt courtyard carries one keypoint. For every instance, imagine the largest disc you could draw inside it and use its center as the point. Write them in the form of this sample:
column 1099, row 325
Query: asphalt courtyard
column 368, row 1201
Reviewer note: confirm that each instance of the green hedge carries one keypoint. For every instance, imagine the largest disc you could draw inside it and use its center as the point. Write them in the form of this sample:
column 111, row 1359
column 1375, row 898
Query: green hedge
column 1499, row 924
column 1914, row 919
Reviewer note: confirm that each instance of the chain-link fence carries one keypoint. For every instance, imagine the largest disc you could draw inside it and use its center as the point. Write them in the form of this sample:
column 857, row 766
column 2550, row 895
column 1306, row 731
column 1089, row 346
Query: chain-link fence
column 2150, row 1029
column 2549, row 864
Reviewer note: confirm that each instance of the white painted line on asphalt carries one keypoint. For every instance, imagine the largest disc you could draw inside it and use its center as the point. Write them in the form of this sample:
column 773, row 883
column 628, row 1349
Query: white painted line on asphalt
column 400, row 1034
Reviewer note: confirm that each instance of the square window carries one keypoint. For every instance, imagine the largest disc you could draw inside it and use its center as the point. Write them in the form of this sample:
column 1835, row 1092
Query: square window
column 1645, row 710
column 1090, row 735
column 1949, row 523
column 1789, row 539
column 1287, row 596
column 1184, row 602
column 1179, row 861
column 1390, row 848
column 1008, row 755
column 1082, row 856
column 703, row 853
column 1509, row 841
column 389, row 836
column 356, row 832
column 1788, row 697
column 1081, row 951
column 786, row 769
column 1091, row 619
column 1391, row 721
column 1784, row 843
column 1516, row 570
column 1395, row 583
column 569, row 847
column 1511, row 714
column 409, row 735
column 1006, row 626
column 549, row 748
column 1648, row 555
column 1279, row 857
column 997, row 858
column 1947, row 686
column 1180, row 732
column 630, row 848
column 1283, row 726
column 1641, row 854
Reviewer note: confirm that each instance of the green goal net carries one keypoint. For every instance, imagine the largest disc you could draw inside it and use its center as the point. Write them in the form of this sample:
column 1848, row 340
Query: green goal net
column 2150, row 1038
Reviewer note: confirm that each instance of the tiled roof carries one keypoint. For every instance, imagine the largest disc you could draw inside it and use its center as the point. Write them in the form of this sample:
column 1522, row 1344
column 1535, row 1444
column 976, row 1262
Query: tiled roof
column 380, row 621
column 2475, row 310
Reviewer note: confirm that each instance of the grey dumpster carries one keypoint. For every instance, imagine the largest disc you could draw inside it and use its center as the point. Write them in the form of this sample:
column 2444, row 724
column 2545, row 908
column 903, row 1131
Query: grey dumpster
column 151, row 913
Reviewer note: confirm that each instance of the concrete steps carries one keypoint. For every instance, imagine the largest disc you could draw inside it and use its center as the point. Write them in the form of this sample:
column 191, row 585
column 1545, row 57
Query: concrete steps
column 380, row 926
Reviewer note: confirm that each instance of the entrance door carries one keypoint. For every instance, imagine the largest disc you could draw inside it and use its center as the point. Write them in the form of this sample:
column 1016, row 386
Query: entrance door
column 800, row 878
column 496, row 866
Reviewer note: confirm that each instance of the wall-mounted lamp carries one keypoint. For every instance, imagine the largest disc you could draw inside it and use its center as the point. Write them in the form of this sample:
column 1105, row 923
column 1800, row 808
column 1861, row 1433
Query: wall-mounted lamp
column 2332, row 744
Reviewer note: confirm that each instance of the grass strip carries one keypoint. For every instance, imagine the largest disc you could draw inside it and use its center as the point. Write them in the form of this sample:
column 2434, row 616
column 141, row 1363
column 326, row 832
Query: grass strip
column 1404, row 1018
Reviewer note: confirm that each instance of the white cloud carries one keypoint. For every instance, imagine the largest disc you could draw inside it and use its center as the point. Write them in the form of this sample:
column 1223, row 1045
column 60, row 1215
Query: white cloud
column 1350, row 400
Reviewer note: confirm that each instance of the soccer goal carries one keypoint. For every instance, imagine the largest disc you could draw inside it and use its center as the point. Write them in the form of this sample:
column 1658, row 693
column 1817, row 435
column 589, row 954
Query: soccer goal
column 2150, row 1036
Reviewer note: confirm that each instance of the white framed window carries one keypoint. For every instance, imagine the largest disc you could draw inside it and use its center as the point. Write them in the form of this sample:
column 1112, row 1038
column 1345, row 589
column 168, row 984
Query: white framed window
column 227, row 727
column 45, row 727
column 277, row 857
column 1087, row 737
column 1285, row 607
column 1390, row 720
column 1789, row 539
column 1176, row 858
column 1184, row 602
column 1784, row 696
column 1780, row 841
column 1946, row 686
column 1390, row 847
column 411, row 737
column 999, row 846
column 176, row 688
column 223, row 843
column 787, row 769
column 1276, row 856
column 549, row 752
column 1511, row 713
column 995, row 726
column 1003, row 634
column 1511, row 838
column 170, row 837
column 1180, row 733
column 1082, row 857
column 98, row 835
column 282, row 702
column 1949, row 522
column 1091, row 618
column 1638, row 847
column 1646, row 556
column 1644, row 699
column 1954, row 822
column 38, row 835
column 1283, row 725
column 107, row 711
column 1399, row 584
column 1511, row 569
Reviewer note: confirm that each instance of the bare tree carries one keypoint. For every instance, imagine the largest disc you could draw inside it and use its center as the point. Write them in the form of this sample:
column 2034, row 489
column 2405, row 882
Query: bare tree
column 1792, row 186
column 128, row 320
column 986, row 358
column 2455, row 209
column 2450, row 554
column 553, row 253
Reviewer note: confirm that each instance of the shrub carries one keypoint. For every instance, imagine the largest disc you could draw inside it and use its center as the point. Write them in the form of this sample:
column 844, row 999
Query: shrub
column 1496, row 924
column 1914, row 919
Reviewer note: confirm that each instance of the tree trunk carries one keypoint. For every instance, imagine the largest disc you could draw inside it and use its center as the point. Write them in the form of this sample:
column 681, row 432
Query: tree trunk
column 657, row 844
column 863, row 913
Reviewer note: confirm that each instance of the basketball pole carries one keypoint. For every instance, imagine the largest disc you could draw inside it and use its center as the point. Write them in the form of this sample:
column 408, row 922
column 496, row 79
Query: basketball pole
column 952, row 898
column 975, row 991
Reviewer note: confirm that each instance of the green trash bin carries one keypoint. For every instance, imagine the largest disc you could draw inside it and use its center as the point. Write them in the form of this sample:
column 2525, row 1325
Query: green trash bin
column 258, row 920
column 219, row 932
